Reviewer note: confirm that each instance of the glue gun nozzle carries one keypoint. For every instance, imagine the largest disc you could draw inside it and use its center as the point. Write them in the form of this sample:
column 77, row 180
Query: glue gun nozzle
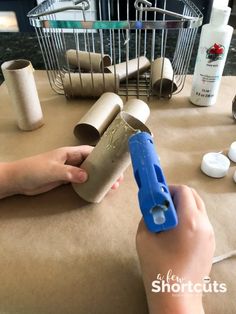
column 158, row 215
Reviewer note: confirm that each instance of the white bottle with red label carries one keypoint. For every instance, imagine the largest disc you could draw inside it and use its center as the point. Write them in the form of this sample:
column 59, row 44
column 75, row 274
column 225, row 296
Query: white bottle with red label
column 212, row 53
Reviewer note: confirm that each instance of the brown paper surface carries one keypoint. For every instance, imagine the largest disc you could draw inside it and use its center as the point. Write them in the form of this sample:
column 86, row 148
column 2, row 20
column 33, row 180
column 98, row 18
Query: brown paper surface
column 61, row 255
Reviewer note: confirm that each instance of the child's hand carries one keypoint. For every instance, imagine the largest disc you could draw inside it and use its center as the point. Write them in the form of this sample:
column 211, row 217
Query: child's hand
column 44, row 172
column 187, row 250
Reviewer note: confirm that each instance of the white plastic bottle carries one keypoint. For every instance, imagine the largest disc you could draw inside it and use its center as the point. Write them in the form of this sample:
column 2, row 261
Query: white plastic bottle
column 213, row 49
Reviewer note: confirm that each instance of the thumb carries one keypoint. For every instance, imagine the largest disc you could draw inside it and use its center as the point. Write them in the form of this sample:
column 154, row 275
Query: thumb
column 73, row 174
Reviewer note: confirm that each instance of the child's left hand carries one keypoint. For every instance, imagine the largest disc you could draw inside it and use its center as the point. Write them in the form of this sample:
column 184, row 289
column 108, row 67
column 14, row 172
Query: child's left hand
column 44, row 172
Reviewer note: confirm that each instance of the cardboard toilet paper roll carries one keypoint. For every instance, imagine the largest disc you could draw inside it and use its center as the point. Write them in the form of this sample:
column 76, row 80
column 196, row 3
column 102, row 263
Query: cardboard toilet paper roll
column 21, row 87
column 91, row 62
column 109, row 159
column 162, row 77
column 133, row 66
column 138, row 109
column 90, row 84
column 91, row 127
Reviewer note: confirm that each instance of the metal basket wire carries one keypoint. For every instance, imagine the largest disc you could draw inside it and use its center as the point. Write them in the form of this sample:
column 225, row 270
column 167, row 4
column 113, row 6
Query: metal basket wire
column 150, row 30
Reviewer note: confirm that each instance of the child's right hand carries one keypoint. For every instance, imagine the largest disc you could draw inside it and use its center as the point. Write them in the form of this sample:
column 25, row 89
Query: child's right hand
column 187, row 250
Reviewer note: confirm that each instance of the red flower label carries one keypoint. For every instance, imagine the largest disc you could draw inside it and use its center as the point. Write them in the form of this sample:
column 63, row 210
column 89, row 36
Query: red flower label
column 215, row 52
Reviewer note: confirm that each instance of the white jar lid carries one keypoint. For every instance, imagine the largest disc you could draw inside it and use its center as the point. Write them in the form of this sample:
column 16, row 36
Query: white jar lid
column 235, row 176
column 232, row 152
column 215, row 165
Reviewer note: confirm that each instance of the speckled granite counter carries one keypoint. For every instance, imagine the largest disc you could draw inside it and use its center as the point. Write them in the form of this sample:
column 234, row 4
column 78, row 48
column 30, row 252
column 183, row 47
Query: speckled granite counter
column 26, row 46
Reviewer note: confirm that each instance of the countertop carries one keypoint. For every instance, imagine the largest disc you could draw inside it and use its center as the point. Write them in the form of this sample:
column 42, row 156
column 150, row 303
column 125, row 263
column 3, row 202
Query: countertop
column 26, row 46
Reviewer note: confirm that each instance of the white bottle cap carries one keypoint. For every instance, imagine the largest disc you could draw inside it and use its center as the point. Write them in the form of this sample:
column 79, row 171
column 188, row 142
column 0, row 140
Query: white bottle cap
column 232, row 152
column 215, row 165
column 220, row 14
column 235, row 176
column 221, row 3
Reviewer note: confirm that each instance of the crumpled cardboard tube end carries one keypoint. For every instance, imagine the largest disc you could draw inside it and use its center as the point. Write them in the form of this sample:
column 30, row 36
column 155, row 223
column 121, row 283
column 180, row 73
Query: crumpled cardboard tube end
column 86, row 134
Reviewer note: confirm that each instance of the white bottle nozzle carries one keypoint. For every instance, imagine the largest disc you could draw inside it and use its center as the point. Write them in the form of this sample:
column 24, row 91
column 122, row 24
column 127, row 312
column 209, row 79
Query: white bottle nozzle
column 221, row 3
column 220, row 12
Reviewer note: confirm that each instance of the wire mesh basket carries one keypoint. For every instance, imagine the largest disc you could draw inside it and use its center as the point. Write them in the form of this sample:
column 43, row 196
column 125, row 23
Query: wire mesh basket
column 135, row 49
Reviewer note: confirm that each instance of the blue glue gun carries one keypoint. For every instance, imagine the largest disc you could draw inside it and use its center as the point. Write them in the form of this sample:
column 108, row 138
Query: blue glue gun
column 154, row 197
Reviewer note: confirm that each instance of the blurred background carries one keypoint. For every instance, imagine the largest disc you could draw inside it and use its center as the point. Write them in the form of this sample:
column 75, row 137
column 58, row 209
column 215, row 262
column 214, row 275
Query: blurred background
column 18, row 39
column 13, row 13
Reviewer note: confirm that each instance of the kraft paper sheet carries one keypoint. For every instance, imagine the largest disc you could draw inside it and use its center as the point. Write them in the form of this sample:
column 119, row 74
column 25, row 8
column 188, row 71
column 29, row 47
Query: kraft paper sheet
column 61, row 255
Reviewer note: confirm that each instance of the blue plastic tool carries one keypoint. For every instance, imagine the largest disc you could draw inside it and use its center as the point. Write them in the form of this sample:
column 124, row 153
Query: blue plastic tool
column 154, row 197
